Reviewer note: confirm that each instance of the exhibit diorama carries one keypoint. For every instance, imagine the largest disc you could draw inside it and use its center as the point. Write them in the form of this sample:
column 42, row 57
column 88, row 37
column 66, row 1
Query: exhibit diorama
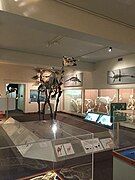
column 67, row 91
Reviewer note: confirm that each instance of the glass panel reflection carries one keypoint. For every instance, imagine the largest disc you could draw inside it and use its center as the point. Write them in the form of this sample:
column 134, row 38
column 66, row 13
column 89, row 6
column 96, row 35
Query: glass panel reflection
column 127, row 96
column 73, row 101
column 90, row 97
column 106, row 97
column 28, row 148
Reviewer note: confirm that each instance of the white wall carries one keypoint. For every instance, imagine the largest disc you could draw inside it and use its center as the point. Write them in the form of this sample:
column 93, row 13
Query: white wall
column 99, row 75
column 14, row 74
column 91, row 79
column 10, row 73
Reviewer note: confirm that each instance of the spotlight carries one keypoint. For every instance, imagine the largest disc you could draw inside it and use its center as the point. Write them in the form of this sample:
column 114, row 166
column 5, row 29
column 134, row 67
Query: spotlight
column 110, row 49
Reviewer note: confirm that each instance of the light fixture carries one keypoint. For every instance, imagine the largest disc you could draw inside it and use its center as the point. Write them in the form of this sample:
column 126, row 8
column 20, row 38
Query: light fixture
column 110, row 49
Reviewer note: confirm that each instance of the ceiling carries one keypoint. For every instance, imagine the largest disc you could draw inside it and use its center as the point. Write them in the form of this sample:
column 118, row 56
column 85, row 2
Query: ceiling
column 22, row 35
column 119, row 10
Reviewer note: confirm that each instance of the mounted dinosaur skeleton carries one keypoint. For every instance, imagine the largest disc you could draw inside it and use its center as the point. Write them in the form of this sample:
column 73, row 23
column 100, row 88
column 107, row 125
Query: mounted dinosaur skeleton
column 50, row 81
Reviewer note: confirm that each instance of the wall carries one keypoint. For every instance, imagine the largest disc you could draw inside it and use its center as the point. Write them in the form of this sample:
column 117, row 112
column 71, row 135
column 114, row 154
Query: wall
column 91, row 79
column 99, row 75
column 14, row 74
column 97, row 78
column 10, row 73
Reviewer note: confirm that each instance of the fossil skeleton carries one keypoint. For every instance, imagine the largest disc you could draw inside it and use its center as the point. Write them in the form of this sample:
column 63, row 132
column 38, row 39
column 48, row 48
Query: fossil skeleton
column 50, row 81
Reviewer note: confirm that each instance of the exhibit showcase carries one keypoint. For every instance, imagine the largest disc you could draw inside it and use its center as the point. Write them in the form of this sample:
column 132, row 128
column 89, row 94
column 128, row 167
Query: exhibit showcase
column 73, row 100
column 97, row 100
column 35, row 147
column 123, row 119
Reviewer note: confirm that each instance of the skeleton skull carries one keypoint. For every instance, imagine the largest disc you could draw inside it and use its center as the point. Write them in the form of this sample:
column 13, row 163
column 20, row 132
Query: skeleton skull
column 46, row 76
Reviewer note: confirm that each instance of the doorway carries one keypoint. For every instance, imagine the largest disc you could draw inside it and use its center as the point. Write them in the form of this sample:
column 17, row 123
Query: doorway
column 16, row 98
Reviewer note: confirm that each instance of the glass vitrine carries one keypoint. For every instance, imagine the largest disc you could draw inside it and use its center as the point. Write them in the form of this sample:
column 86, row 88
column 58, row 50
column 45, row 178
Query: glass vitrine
column 7, row 103
column 45, row 149
column 123, row 128
column 73, row 100
column 124, row 138
column 106, row 97
column 127, row 96
column 90, row 99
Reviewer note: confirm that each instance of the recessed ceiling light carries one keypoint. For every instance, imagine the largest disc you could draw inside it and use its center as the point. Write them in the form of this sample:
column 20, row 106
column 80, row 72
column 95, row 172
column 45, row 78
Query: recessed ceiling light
column 110, row 49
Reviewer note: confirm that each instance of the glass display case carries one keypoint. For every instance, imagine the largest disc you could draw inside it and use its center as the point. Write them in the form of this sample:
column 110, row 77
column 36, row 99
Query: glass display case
column 106, row 97
column 42, row 149
column 97, row 100
column 127, row 96
column 7, row 103
column 123, row 128
column 73, row 100
column 89, row 101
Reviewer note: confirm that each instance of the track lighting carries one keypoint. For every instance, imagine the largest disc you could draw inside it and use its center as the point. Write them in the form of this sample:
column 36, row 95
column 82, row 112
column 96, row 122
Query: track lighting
column 110, row 49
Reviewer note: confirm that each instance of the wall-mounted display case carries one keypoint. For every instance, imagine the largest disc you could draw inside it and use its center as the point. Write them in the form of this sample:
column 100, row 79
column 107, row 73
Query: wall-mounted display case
column 127, row 96
column 106, row 97
column 96, row 100
column 99, row 100
column 89, row 99
column 73, row 100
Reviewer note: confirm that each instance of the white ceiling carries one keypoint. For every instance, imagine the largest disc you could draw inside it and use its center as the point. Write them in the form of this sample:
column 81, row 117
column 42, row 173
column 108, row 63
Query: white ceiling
column 119, row 10
column 21, row 34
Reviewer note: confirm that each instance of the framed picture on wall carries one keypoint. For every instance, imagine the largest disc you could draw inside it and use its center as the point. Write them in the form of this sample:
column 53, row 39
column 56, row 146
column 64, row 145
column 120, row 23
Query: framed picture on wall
column 74, row 79
column 121, row 76
column 34, row 96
